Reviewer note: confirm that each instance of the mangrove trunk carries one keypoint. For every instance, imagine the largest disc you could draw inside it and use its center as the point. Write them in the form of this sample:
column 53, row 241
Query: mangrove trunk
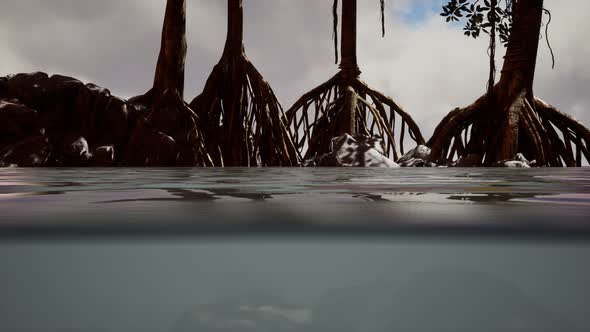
column 170, row 66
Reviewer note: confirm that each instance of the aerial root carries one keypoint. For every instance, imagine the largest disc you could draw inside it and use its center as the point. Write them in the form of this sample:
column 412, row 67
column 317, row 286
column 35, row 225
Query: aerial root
column 325, row 112
column 531, row 127
column 245, row 121
column 573, row 133
column 453, row 129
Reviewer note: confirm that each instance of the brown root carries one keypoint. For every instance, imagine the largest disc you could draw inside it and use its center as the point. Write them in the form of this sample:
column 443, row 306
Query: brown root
column 242, row 118
column 343, row 105
column 531, row 127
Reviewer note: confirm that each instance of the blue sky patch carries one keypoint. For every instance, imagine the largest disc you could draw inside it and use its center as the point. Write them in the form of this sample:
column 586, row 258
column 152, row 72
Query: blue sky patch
column 419, row 11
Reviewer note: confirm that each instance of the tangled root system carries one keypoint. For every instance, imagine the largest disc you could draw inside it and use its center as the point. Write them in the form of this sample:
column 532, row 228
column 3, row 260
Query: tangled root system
column 326, row 112
column 242, row 119
column 528, row 125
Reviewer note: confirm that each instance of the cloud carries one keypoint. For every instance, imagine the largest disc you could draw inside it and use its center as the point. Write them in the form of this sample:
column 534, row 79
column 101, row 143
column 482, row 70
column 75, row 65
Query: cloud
column 426, row 65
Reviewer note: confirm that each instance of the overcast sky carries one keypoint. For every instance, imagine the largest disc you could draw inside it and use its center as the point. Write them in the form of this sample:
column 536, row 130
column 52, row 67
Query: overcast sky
column 425, row 64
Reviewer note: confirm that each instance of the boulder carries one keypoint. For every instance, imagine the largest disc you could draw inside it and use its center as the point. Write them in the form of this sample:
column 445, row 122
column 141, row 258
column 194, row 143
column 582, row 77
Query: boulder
column 30, row 152
column 58, row 117
column 12, row 110
column 64, row 87
column 3, row 87
column 74, row 146
column 116, row 124
column 8, row 130
column 354, row 151
column 90, row 108
column 75, row 151
column 417, row 157
column 518, row 161
column 30, row 88
column 104, row 156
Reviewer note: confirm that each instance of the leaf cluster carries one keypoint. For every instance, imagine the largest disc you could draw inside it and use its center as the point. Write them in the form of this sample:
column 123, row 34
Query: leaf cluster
column 480, row 16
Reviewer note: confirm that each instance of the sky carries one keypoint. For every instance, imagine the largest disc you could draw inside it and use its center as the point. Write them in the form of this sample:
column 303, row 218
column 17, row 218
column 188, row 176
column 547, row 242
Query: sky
column 426, row 65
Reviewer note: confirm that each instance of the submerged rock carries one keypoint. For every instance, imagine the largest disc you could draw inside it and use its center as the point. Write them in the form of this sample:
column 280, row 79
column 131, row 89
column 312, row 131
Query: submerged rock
column 3, row 86
column 354, row 151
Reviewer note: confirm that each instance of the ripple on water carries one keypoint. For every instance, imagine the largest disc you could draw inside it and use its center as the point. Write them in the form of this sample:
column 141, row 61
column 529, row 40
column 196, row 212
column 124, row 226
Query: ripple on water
column 26, row 193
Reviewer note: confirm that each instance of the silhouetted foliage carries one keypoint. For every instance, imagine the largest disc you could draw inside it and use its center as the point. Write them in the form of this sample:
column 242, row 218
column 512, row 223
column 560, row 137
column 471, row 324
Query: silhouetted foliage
column 481, row 16
column 508, row 119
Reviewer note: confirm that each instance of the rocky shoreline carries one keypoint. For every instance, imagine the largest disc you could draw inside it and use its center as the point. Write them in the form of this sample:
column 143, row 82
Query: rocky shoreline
column 55, row 121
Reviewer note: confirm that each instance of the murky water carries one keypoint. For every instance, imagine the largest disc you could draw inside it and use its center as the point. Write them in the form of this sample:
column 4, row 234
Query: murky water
column 291, row 194
column 294, row 283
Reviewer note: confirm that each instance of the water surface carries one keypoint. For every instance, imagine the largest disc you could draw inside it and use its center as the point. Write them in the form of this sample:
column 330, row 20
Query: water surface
column 294, row 195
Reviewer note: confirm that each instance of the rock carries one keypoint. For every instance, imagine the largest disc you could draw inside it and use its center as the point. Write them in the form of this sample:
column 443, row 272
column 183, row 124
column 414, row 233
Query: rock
column 3, row 87
column 471, row 160
column 415, row 162
column 30, row 152
column 58, row 117
column 8, row 129
column 75, row 147
column 90, row 108
column 22, row 115
column 28, row 87
column 417, row 157
column 516, row 164
column 104, row 156
column 150, row 147
column 116, row 127
column 64, row 87
column 520, row 157
column 518, row 161
column 357, row 151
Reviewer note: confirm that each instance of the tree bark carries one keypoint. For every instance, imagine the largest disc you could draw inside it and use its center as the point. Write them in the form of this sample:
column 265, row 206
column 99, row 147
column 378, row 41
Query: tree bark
column 520, row 60
column 516, row 81
column 348, row 62
column 234, row 43
column 170, row 67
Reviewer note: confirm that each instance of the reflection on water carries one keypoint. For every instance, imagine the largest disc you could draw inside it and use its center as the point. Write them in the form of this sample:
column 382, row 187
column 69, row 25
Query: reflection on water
column 333, row 194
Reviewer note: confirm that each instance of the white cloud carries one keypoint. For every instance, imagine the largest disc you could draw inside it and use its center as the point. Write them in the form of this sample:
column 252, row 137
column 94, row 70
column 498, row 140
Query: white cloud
column 429, row 68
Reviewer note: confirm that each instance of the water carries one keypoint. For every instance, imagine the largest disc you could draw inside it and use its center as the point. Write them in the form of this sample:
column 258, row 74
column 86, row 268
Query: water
column 293, row 196
column 274, row 282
